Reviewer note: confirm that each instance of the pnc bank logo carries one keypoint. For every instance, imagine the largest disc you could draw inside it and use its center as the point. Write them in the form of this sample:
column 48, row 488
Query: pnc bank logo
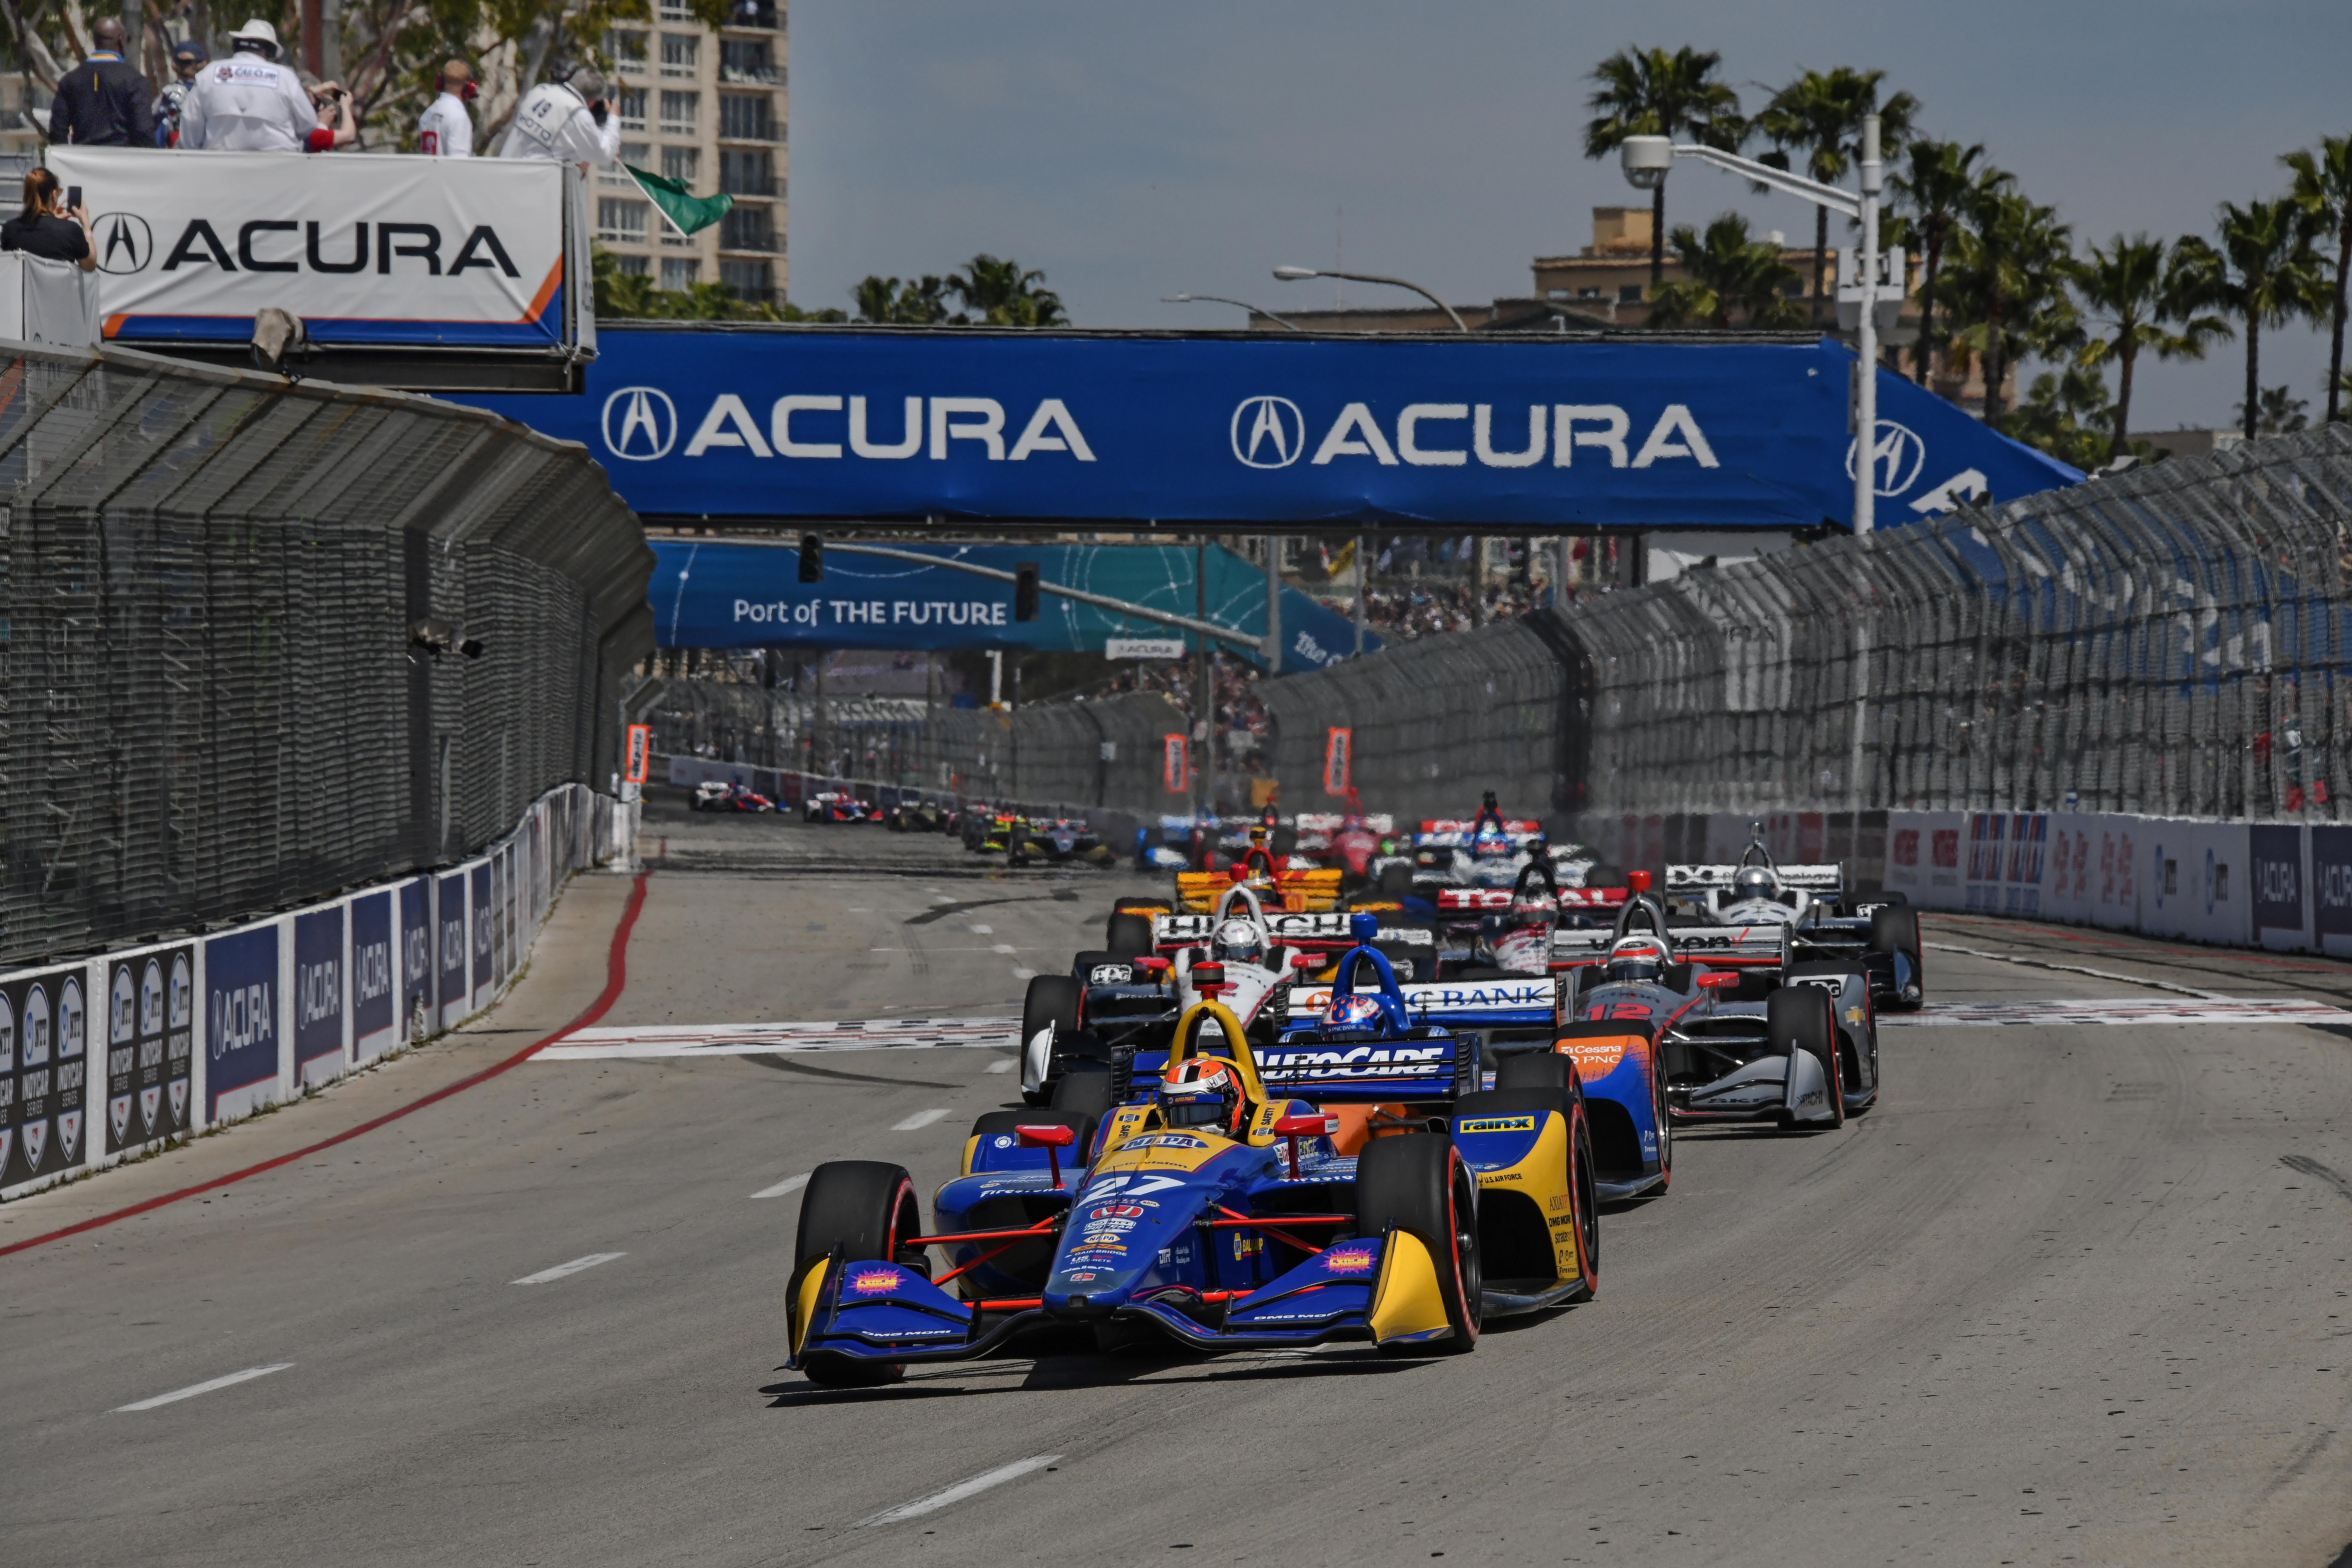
column 1268, row 432
column 640, row 424
column 1897, row 456
column 125, row 243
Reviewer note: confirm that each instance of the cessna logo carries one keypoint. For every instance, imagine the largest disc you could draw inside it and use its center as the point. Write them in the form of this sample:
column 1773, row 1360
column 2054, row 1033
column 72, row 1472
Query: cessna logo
column 1268, row 432
column 640, row 424
column 125, row 243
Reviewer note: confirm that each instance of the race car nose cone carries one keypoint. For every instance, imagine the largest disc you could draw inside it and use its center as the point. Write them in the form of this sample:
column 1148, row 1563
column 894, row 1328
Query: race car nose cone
column 1087, row 1305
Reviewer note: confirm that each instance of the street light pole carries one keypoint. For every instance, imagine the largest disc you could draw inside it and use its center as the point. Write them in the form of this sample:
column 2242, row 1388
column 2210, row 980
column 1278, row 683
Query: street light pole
column 1299, row 274
column 1221, row 300
column 1646, row 158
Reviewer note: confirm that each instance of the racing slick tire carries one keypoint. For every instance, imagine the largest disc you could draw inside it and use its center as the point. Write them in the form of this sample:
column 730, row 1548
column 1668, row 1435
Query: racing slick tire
column 1082, row 1092
column 1804, row 1018
column 1128, row 935
column 858, row 1210
column 1417, row 1181
column 1051, row 999
column 1895, row 929
column 1396, row 882
column 1604, row 875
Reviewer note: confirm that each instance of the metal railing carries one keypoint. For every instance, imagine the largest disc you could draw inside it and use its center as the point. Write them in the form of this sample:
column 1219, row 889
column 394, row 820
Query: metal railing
column 217, row 702
column 2168, row 641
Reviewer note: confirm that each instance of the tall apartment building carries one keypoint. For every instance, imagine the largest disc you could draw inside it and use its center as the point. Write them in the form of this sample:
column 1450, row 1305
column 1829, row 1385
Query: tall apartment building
column 707, row 108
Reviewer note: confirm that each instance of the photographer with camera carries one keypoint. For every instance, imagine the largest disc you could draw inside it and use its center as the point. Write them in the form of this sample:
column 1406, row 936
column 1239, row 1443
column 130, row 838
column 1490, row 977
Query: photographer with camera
column 334, row 108
column 55, row 222
column 566, row 120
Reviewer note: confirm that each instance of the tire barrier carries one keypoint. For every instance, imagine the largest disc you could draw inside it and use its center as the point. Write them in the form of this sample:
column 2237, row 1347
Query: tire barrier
column 106, row 1059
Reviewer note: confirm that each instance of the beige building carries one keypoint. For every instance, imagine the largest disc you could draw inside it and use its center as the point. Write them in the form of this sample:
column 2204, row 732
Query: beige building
column 707, row 108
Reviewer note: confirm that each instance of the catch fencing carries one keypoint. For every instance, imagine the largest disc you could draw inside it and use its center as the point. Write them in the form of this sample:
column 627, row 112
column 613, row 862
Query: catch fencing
column 265, row 641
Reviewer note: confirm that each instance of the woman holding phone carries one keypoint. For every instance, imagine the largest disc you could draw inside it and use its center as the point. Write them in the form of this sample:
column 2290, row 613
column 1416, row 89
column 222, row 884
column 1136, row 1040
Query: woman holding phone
column 55, row 224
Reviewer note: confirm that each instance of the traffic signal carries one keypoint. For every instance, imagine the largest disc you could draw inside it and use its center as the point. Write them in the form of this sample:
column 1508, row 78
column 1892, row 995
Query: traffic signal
column 1024, row 591
column 812, row 558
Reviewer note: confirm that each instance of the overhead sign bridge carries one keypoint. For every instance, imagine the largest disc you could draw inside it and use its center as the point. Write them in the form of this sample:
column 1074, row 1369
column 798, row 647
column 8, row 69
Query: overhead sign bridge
column 1262, row 433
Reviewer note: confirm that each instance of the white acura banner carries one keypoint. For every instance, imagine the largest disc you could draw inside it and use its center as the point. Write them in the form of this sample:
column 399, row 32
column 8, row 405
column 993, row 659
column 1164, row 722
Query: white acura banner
column 364, row 247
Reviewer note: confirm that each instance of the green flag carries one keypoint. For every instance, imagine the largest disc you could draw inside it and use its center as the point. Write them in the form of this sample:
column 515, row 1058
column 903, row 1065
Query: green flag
column 687, row 213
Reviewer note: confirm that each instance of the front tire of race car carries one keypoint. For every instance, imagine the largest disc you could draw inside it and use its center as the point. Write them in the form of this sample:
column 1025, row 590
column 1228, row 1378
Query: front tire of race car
column 858, row 1211
column 1417, row 1181
column 1052, row 1001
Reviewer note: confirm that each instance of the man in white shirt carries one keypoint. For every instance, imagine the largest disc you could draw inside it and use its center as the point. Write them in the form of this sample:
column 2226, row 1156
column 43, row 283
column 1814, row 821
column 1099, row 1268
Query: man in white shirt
column 567, row 122
column 446, row 131
column 249, row 103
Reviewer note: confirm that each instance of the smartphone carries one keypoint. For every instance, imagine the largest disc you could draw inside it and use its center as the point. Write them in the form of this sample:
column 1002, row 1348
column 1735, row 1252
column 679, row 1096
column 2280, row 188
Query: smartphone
column 73, row 197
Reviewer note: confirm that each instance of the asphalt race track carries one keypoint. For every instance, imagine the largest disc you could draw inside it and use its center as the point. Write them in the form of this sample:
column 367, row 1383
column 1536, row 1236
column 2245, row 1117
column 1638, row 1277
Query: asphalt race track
column 2069, row 1294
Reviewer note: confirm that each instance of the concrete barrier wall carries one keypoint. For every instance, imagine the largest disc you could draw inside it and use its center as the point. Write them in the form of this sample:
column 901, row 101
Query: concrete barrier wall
column 105, row 1058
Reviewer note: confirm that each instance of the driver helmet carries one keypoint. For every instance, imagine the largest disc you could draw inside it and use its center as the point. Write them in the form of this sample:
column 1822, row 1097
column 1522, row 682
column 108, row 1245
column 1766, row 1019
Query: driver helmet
column 1636, row 958
column 1490, row 841
column 1754, row 882
column 1240, row 942
column 1203, row 1091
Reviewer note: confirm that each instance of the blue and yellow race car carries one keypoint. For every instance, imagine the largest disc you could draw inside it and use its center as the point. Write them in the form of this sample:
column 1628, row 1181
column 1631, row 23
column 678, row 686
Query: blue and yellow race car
column 1340, row 1183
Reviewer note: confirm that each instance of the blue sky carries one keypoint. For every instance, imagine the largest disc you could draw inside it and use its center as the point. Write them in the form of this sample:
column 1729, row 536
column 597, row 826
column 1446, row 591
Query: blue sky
column 1135, row 151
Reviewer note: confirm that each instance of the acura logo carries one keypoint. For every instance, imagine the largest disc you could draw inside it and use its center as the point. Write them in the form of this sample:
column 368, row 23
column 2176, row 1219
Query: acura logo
column 640, row 424
column 1268, row 432
column 125, row 243
column 1896, row 458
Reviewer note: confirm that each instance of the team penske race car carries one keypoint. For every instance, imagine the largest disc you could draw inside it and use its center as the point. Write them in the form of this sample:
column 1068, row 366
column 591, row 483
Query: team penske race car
column 1345, row 1183
column 717, row 794
column 835, row 806
column 1740, row 1029
column 1878, row 932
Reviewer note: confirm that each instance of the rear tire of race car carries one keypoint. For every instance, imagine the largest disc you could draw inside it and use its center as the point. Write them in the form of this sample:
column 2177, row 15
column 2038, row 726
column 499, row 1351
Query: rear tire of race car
column 1083, row 1093
column 1604, row 875
column 1417, row 1181
column 1804, row 1018
column 1127, row 936
column 1396, row 882
column 859, row 1210
column 1895, row 929
column 1051, row 999
column 1539, row 1069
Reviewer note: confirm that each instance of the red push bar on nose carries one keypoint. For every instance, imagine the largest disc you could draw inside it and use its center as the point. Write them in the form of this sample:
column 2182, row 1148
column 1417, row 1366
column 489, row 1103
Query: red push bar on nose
column 1050, row 1139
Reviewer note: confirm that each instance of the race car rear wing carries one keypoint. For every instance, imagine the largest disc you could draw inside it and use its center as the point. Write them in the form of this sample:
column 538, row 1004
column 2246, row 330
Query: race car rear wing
column 1332, row 821
column 1325, row 929
column 1684, row 879
column 1465, row 901
column 1358, row 1072
column 1530, row 999
column 1721, row 947
column 1446, row 832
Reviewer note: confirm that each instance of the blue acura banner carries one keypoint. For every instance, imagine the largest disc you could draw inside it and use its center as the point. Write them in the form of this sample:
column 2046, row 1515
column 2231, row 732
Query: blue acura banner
column 966, row 424
column 708, row 594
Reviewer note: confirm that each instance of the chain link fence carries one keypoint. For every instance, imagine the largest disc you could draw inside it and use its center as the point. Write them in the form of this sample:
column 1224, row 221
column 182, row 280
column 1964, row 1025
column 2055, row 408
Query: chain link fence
column 215, row 696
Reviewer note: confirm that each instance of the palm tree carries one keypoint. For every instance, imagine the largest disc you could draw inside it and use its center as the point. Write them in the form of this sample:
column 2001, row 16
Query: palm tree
column 1649, row 92
column 1938, row 187
column 2063, row 413
column 2323, row 188
column 1727, row 271
column 1005, row 296
column 2279, row 413
column 2264, row 272
column 1821, row 114
column 918, row 301
column 2009, row 269
column 2137, row 290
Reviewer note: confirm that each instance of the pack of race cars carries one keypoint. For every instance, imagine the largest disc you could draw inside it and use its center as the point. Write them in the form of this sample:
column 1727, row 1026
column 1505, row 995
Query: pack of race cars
column 1295, row 1102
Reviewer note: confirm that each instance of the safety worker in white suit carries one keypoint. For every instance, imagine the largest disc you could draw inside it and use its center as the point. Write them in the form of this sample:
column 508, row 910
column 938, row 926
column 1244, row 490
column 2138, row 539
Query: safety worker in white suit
column 567, row 122
column 250, row 103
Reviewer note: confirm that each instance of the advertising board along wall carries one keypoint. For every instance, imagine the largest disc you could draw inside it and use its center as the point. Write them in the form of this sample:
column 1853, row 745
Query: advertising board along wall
column 206, row 1030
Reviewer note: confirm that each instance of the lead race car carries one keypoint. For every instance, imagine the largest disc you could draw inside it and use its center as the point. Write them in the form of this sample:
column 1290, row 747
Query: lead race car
column 1739, row 1028
column 1878, row 932
column 1342, row 1183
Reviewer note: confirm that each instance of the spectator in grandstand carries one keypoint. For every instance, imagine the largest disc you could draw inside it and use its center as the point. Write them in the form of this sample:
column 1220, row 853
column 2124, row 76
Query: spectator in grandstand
column 187, row 58
column 45, row 228
column 250, row 103
column 102, row 102
column 565, row 119
column 446, row 129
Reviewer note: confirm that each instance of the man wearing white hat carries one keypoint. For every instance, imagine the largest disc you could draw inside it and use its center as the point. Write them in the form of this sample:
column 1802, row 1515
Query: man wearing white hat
column 250, row 103
column 567, row 120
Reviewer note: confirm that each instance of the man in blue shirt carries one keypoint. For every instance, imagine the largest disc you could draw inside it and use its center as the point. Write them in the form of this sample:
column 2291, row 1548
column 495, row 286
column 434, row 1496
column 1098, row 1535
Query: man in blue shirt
column 104, row 102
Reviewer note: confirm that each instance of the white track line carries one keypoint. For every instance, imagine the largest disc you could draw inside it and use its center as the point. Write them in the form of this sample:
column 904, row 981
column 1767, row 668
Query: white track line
column 574, row 1267
column 247, row 1375
column 920, row 1120
column 961, row 1490
column 789, row 1184
column 2074, row 969
column 2128, row 1011
column 784, row 1039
